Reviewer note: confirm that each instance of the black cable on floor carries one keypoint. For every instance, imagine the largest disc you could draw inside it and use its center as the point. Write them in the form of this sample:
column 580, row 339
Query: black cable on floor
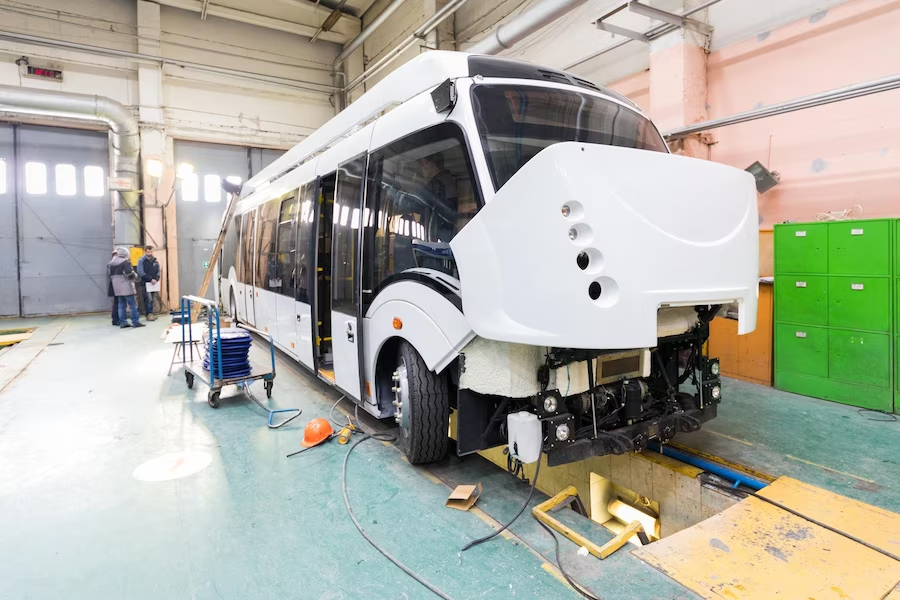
column 575, row 585
column 891, row 418
column 384, row 438
column 481, row 540
column 852, row 538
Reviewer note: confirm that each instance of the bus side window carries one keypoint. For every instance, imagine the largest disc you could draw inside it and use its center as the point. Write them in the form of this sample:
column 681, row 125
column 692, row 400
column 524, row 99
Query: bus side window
column 309, row 210
column 247, row 237
column 421, row 191
column 287, row 246
column 266, row 263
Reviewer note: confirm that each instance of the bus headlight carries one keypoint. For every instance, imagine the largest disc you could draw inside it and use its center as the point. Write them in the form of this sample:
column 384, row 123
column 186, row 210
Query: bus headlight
column 566, row 210
column 716, row 392
column 550, row 404
column 714, row 368
column 562, row 433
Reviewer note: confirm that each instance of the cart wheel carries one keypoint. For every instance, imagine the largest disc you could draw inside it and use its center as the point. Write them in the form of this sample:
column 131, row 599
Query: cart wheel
column 269, row 386
column 213, row 399
column 190, row 380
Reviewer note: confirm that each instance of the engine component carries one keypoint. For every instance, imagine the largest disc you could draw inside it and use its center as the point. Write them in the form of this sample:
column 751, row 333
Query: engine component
column 524, row 436
column 633, row 393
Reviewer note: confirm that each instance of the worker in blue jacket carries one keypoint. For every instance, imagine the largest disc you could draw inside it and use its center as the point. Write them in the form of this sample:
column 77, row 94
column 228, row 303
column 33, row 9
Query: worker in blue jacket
column 149, row 271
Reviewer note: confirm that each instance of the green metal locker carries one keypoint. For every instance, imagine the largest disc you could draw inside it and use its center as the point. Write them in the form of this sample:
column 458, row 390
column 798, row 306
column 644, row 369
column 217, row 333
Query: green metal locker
column 837, row 318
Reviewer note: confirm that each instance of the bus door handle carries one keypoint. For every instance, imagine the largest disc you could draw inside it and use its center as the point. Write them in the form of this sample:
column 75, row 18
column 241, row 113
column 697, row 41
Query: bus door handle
column 350, row 335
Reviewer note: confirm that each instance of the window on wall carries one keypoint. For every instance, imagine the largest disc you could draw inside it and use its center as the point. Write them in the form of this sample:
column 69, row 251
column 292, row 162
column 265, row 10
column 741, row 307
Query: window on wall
column 287, row 244
column 2, row 176
column 65, row 180
column 305, row 245
column 421, row 191
column 266, row 256
column 94, row 182
column 247, row 245
column 346, row 236
column 190, row 188
column 212, row 188
column 35, row 178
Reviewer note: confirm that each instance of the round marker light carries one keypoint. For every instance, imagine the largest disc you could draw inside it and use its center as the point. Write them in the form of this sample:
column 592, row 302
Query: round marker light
column 716, row 392
column 562, row 433
column 714, row 368
column 566, row 210
column 573, row 234
column 550, row 404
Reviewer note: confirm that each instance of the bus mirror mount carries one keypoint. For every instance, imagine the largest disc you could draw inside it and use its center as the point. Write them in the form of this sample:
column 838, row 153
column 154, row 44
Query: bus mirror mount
column 444, row 96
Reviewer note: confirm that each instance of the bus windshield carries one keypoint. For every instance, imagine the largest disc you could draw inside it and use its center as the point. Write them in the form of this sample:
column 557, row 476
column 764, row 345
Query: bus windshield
column 517, row 122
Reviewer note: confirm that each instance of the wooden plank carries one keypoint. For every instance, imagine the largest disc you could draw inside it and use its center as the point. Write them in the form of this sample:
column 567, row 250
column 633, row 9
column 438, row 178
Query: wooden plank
column 754, row 550
column 217, row 249
column 9, row 339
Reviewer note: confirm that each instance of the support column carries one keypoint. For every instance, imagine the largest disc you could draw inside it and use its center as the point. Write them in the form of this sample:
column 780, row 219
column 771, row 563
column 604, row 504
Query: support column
column 159, row 216
column 678, row 82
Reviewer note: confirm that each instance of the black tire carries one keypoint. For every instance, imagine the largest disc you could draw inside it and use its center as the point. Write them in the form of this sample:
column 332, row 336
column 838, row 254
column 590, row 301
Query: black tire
column 213, row 399
column 190, row 380
column 425, row 440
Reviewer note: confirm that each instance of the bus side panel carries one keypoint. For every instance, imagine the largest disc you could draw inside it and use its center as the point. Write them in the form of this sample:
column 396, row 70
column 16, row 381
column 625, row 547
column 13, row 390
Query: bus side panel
column 286, row 316
column 304, row 333
column 266, row 314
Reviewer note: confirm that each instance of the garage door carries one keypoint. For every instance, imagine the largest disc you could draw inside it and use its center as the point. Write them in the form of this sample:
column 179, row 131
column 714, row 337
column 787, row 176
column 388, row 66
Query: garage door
column 55, row 221
column 202, row 202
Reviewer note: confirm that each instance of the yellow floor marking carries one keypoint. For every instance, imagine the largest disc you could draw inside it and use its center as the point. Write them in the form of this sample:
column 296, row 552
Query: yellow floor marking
column 754, row 550
column 557, row 574
column 729, row 437
column 429, row 476
column 809, row 462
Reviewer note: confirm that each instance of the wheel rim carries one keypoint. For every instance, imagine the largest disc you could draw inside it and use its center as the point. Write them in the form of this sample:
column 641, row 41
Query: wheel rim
column 401, row 397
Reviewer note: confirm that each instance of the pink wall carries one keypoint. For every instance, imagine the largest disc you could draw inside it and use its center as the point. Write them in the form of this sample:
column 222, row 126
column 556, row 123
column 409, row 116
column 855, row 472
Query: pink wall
column 636, row 87
column 829, row 158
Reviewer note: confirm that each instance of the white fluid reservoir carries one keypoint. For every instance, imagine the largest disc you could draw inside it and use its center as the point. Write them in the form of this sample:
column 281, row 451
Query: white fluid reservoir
column 524, row 436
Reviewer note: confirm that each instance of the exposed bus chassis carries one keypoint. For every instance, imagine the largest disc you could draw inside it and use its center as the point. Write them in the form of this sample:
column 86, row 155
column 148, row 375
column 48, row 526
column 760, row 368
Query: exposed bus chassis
column 609, row 418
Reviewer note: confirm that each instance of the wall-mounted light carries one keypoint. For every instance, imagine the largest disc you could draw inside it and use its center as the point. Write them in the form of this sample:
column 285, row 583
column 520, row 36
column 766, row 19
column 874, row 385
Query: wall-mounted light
column 184, row 170
column 765, row 179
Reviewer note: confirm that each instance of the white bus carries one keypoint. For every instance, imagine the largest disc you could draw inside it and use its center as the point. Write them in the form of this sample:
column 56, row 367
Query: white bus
column 484, row 237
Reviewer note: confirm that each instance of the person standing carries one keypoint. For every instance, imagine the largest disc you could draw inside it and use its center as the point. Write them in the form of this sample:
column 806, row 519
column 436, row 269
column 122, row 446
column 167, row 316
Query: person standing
column 122, row 276
column 149, row 272
column 110, row 293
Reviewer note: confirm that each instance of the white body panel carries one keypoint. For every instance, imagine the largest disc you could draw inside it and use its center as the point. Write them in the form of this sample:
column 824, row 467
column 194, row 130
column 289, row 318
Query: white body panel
column 304, row 333
column 266, row 316
column 344, row 338
column 686, row 235
column 286, row 315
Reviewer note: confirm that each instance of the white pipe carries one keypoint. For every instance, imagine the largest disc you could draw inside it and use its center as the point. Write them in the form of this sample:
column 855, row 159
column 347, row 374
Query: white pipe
column 377, row 22
column 424, row 29
column 125, row 144
column 507, row 35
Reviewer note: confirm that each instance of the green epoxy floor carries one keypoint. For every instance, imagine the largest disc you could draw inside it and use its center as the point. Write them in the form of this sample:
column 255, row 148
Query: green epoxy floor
column 95, row 404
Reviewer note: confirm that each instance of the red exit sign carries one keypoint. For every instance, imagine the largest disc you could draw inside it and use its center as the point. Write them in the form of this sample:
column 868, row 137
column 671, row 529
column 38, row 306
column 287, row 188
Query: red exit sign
column 44, row 73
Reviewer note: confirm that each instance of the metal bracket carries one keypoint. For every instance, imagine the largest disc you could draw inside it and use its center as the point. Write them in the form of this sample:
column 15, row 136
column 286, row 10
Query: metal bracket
column 653, row 13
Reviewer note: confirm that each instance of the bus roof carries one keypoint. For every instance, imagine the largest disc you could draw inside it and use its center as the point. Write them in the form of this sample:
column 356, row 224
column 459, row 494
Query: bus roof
column 422, row 73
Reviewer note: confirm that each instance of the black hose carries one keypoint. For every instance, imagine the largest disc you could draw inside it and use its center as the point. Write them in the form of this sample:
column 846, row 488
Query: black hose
column 575, row 585
column 481, row 540
column 385, row 438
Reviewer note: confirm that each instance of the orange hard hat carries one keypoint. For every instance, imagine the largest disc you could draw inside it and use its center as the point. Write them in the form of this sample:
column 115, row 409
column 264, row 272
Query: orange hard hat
column 316, row 432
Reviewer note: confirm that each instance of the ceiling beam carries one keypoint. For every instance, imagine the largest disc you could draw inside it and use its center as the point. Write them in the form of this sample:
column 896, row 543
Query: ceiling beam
column 339, row 34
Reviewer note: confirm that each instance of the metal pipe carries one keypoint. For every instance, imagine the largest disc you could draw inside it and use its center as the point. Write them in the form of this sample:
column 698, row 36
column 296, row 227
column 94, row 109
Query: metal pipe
column 653, row 32
column 829, row 97
column 424, row 29
column 735, row 477
column 159, row 60
column 507, row 35
column 377, row 22
column 125, row 144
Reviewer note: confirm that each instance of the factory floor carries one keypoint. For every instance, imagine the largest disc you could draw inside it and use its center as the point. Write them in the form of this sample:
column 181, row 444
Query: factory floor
column 84, row 407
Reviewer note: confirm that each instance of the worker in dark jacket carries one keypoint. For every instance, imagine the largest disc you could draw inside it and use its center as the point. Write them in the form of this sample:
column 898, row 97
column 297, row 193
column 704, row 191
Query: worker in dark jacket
column 149, row 272
column 110, row 293
column 123, row 276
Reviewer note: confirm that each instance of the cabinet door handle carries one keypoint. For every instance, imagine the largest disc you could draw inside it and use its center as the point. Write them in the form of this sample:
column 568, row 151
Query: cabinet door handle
column 801, row 334
column 856, row 232
column 800, row 233
column 801, row 284
column 856, row 286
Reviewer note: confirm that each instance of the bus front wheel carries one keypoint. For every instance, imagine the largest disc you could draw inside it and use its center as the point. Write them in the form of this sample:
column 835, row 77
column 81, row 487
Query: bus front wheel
column 422, row 403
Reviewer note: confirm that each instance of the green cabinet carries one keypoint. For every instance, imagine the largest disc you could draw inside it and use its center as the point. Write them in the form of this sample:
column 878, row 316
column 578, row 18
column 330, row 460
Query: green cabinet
column 837, row 315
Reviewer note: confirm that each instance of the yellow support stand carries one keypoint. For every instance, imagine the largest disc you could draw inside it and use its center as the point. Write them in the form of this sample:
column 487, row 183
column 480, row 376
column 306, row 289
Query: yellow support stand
column 542, row 513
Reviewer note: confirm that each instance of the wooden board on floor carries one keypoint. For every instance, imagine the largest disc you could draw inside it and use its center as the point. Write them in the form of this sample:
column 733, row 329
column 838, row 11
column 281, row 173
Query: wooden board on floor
column 754, row 550
column 8, row 339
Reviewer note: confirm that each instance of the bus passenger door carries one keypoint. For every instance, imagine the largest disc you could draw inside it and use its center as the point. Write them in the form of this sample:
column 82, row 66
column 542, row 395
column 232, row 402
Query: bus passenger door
column 347, row 221
column 246, row 305
column 306, row 276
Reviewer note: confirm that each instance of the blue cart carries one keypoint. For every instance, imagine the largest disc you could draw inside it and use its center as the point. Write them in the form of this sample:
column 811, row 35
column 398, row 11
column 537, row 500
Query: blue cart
column 193, row 364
